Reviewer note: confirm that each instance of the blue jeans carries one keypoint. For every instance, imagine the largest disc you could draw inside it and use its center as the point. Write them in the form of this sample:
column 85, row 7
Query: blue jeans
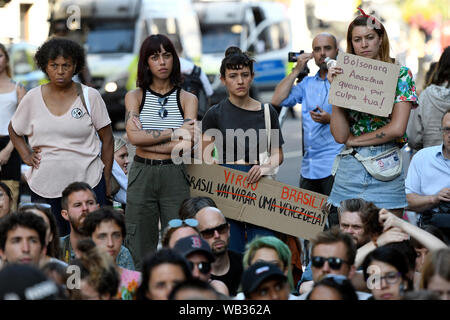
column 63, row 225
column 243, row 232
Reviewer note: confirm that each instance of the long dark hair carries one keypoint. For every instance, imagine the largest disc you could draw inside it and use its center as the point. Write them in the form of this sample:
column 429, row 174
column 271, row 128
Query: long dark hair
column 441, row 71
column 150, row 46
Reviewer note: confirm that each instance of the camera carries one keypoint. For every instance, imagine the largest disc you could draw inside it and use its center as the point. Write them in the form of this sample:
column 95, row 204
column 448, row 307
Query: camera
column 292, row 57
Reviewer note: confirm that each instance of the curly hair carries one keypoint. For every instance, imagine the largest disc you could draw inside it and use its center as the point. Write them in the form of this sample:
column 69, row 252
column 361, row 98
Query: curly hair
column 56, row 47
column 104, row 214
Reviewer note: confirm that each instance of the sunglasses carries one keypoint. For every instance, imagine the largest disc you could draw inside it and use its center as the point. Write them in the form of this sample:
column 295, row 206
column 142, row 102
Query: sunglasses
column 209, row 233
column 35, row 204
column 333, row 262
column 203, row 267
column 176, row 223
column 163, row 111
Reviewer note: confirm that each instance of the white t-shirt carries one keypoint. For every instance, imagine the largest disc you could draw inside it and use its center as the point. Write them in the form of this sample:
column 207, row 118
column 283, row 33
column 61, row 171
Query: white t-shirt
column 69, row 145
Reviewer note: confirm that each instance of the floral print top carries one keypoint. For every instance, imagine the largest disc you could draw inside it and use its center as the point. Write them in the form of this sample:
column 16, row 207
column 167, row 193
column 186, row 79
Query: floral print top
column 361, row 122
column 129, row 283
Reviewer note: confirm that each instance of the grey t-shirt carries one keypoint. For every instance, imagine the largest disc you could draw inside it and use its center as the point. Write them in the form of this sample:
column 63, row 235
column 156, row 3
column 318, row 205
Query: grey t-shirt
column 243, row 132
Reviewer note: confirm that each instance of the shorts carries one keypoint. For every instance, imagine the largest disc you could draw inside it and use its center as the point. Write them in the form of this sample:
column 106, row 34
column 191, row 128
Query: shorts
column 353, row 181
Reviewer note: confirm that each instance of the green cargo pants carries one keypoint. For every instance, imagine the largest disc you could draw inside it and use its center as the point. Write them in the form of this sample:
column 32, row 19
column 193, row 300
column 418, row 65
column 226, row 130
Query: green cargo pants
column 154, row 192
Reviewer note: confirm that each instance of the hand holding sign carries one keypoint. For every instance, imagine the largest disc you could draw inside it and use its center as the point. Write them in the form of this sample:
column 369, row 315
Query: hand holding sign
column 333, row 72
column 364, row 85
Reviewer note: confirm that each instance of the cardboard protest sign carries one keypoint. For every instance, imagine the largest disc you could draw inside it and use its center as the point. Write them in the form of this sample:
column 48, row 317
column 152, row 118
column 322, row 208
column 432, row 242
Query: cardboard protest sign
column 366, row 85
column 267, row 203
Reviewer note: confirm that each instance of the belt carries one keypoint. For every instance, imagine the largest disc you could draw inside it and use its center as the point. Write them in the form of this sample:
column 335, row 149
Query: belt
column 152, row 162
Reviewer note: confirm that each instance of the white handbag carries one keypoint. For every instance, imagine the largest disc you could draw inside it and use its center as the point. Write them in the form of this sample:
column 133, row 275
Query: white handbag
column 385, row 166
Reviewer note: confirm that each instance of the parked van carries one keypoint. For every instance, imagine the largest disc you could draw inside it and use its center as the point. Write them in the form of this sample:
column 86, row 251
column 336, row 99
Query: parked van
column 113, row 31
column 262, row 28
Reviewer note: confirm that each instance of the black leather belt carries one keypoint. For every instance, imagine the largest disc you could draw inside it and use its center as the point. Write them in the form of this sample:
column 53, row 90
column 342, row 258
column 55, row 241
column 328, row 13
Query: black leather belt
column 152, row 162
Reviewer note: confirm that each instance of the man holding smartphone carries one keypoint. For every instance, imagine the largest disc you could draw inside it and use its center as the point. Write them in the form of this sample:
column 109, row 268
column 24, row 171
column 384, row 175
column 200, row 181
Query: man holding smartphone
column 319, row 146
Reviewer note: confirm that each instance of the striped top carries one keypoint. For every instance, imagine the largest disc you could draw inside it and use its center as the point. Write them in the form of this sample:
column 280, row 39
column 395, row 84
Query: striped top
column 150, row 107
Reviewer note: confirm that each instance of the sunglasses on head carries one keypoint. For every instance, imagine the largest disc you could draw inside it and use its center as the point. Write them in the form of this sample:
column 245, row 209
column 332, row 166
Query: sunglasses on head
column 163, row 111
column 176, row 223
column 333, row 262
column 35, row 204
column 203, row 267
column 209, row 233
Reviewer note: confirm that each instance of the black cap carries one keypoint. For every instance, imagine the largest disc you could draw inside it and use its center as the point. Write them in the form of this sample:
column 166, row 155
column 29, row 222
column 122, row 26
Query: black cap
column 186, row 246
column 26, row 282
column 255, row 274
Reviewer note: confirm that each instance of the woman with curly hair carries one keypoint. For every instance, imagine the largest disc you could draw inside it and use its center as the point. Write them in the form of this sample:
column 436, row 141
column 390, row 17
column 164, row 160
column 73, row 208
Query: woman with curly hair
column 67, row 126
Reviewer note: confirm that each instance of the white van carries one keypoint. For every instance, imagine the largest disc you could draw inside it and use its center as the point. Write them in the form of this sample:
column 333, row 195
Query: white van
column 113, row 31
column 262, row 28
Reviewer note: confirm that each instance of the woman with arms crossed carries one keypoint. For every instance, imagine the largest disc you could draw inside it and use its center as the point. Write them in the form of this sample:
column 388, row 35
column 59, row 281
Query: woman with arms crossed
column 155, row 110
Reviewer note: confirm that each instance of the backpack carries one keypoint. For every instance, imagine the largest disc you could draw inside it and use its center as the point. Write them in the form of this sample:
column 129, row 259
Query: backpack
column 194, row 85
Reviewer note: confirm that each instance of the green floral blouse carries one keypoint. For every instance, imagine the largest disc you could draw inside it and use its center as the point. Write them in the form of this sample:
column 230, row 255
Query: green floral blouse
column 361, row 122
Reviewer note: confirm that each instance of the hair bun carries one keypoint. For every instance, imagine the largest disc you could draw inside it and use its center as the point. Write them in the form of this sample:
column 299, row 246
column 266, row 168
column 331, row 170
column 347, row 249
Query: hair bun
column 232, row 50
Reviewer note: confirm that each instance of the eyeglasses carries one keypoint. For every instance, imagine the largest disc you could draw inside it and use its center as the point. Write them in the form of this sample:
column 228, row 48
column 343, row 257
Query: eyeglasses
column 176, row 223
column 163, row 111
column 35, row 204
column 203, row 267
column 445, row 130
column 209, row 233
column 333, row 262
column 391, row 277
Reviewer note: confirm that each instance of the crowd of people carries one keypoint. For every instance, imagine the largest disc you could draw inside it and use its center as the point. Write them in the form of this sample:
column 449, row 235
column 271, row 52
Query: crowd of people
column 98, row 228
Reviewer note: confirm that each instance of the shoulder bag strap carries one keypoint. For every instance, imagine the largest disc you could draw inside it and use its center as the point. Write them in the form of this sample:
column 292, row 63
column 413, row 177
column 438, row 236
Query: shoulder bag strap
column 268, row 126
column 81, row 94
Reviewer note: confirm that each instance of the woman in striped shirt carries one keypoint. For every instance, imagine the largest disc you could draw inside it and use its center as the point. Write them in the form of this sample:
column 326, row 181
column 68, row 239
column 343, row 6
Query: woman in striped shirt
column 158, row 112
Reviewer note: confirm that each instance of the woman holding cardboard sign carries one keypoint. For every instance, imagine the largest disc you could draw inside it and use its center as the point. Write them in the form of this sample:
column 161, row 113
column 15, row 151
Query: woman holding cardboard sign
column 247, row 147
column 370, row 167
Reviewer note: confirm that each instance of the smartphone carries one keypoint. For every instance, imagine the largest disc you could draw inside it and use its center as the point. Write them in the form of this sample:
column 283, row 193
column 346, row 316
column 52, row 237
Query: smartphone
column 316, row 109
